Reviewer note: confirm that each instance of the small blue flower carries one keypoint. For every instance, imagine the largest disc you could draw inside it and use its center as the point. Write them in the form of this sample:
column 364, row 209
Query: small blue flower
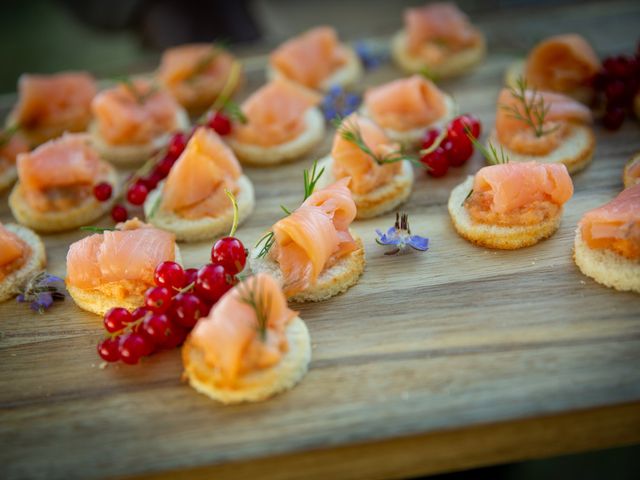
column 41, row 291
column 400, row 237
column 339, row 103
column 368, row 56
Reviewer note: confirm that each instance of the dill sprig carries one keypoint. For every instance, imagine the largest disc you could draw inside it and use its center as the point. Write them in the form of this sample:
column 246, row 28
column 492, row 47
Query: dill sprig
column 7, row 133
column 205, row 61
column 534, row 107
column 311, row 178
column 255, row 298
column 467, row 197
column 491, row 154
column 350, row 131
column 137, row 94
column 91, row 228
column 223, row 102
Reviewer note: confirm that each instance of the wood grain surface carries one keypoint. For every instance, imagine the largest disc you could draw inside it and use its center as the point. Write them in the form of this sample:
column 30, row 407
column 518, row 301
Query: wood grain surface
column 458, row 357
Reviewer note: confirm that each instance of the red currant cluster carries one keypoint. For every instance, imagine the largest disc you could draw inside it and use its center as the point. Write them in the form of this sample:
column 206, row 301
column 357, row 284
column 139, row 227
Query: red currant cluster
column 619, row 82
column 140, row 187
column 454, row 146
column 172, row 308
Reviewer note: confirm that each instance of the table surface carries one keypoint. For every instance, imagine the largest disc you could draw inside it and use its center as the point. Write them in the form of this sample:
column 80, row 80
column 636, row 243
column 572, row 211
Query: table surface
column 458, row 357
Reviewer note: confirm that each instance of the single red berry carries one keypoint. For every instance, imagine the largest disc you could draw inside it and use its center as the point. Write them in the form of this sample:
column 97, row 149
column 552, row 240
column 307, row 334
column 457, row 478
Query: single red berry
column 458, row 148
column 220, row 123
column 164, row 166
column 137, row 193
column 187, row 309
column 616, row 92
column 170, row 275
column 108, row 349
column 158, row 299
column 119, row 213
column 191, row 275
column 614, row 117
column 132, row 347
column 436, row 162
column 177, row 145
column 102, row 191
column 138, row 313
column 116, row 319
column 467, row 121
column 212, row 282
column 156, row 327
column 176, row 336
column 230, row 253
column 430, row 137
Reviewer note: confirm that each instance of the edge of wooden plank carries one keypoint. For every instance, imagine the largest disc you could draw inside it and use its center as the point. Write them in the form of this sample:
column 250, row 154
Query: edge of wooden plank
column 476, row 446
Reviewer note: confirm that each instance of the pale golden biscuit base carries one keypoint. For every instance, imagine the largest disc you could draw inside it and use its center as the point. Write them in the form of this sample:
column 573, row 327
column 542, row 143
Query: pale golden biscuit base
column 8, row 177
column 606, row 267
column 457, row 64
column 347, row 75
column 98, row 301
column 13, row 283
column 575, row 151
column 84, row 214
column 258, row 385
column 192, row 230
column 413, row 138
column 516, row 70
column 259, row 156
column 331, row 282
column 127, row 155
column 495, row 236
column 381, row 200
column 627, row 179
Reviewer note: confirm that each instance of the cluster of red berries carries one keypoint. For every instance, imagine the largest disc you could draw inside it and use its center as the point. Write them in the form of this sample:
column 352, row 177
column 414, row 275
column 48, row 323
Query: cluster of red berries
column 173, row 306
column 619, row 82
column 141, row 186
column 454, row 148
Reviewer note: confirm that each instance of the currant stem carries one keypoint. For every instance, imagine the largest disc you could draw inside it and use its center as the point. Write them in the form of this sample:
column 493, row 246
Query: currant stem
column 234, row 225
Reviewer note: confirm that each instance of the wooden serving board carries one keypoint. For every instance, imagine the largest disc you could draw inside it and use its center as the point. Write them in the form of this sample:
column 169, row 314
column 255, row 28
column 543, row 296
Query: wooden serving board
column 457, row 357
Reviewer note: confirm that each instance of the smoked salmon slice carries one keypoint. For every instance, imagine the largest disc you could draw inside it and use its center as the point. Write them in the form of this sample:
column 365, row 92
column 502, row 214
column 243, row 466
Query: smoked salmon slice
column 561, row 63
column 519, row 193
column 53, row 104
column 436, row 29
column 616, row 225
column 59, row 173
column 196, row 183
column 406, row 103
column 12, row 249
column 129, row 254
column 195, row 74
column 230, row 336
column 134, row 113
column 350, row 161
column 314, row 236
column 310, row 58
column 517, row 135
column 275, row 113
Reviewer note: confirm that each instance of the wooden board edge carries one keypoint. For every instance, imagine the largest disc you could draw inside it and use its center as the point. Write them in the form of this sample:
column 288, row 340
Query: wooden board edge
column 446, row 451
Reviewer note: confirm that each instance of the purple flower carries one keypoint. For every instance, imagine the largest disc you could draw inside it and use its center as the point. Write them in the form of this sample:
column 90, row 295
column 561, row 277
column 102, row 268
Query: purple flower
column 339, row 103
column 370, row 58
column 400, row 237
column 41, row 291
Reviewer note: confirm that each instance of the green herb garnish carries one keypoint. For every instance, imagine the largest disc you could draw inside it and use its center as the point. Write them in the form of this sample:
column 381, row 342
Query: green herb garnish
column 535, row 109
column 350, row 132
column 7, row 133
column 154, row 207
column 467, row 197
column 490, row 154
column 311, row 178
column 261, row 306
column 90, row 228
column 234, row 203
column 140, row 97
